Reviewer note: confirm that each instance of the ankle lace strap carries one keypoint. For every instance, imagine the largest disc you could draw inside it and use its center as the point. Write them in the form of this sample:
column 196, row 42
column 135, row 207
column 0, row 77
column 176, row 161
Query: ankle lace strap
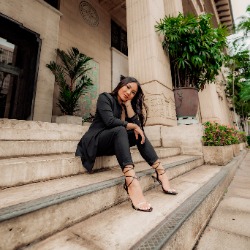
column 129, row 169
column 133, row 177
column 155, row 168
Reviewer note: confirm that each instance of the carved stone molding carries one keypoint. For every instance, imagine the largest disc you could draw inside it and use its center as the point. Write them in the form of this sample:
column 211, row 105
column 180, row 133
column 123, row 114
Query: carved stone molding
column 89, row 13
column 160, row 106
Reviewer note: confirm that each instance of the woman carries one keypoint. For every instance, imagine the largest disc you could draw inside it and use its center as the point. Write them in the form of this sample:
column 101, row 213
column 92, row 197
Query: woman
column 118, row 125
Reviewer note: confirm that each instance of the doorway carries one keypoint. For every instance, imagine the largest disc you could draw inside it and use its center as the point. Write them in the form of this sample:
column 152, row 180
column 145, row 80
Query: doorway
column 19, row 56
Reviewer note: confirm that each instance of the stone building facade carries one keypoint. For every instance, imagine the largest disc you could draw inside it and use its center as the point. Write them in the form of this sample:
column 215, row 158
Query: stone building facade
column 120, row 37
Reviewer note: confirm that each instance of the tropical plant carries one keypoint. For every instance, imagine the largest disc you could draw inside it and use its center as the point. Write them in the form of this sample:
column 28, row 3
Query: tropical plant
column 243, row 26
column 195, row 48
column 248, row 139
column 238, row 63
column 70, row 75
column 238, row 84
column 242, row 136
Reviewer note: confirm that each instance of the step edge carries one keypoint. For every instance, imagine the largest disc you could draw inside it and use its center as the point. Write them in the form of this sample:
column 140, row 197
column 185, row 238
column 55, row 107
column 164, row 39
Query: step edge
column 168, row 227
column 43, row 202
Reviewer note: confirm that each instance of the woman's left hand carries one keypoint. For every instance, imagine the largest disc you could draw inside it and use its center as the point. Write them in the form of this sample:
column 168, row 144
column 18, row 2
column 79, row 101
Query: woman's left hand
column 138, row 131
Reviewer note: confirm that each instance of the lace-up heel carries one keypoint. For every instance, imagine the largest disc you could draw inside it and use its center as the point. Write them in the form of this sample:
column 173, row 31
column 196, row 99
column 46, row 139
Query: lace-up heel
column 156, row 178
column 126, row 186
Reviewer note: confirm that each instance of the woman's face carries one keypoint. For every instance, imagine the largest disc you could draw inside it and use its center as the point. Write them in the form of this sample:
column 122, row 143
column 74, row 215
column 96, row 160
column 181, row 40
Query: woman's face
column 127, row 92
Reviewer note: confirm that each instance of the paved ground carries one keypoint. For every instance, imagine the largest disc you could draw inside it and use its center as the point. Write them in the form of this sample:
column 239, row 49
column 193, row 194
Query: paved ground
column 229, row 227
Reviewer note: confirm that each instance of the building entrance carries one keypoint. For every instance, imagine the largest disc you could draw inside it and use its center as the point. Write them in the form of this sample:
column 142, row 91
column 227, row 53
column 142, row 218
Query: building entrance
column 19, row 55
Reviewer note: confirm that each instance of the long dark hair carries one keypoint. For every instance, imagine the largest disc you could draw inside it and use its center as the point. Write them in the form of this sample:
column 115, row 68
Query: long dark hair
column 137, row 102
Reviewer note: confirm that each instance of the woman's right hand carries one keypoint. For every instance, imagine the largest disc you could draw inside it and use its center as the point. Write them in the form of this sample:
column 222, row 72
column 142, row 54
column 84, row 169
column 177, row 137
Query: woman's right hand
column 137, row 130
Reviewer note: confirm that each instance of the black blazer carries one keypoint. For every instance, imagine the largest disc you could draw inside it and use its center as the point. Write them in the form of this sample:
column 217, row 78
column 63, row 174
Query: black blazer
column 108, row 115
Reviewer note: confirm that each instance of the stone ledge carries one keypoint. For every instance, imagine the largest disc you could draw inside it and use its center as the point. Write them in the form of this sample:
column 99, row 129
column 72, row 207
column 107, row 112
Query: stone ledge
column 27, row 125
column 187, row 137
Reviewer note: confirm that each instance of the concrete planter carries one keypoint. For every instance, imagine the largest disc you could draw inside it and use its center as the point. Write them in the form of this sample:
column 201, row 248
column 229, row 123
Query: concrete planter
column 236, row 149
column 69, row 119
column 242, row 146
column 218, row 155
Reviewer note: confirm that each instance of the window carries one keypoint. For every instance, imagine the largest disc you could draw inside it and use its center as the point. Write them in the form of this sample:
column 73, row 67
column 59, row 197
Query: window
column 54, row 3
column 119, row 38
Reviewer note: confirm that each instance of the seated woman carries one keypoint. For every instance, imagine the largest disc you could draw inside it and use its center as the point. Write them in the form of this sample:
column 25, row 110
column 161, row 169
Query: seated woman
column 118, row 125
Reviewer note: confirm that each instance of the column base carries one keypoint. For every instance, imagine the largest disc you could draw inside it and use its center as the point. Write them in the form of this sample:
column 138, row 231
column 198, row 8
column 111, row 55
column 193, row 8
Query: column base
column 187, row 120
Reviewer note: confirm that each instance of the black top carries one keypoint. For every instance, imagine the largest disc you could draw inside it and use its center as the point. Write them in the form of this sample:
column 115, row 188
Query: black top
column 108, row 115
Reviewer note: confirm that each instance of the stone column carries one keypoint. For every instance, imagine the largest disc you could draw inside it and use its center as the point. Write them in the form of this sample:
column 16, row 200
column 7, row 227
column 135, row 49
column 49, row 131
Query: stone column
column 209, row 104
column 147, row 60
column 173, row 7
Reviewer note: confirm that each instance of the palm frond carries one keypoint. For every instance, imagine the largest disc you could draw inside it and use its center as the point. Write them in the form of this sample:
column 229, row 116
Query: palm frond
column 71, row 76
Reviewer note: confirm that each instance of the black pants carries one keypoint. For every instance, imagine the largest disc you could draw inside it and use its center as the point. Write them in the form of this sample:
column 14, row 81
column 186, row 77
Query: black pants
column 117, row 141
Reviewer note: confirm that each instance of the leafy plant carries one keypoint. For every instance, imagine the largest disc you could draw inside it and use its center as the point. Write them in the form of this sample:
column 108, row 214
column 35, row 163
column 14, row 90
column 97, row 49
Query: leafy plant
column 243, row 26
column 70, row 75
column 238, row 63
column 195, row 48
column 242, row 136
column 248, row 139
column 216, row 134
column 238, row 84
column 89, row 118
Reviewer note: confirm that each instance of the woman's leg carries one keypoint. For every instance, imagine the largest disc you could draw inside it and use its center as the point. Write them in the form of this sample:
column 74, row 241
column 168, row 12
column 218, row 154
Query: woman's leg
column 133, row 188
column 146, row 149
column 115, row 141
column 148, row 153
column 162, row 177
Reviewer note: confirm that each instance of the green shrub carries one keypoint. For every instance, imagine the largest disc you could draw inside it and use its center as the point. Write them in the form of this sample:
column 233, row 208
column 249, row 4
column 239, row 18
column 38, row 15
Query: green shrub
column 248, row 139
column 242, row 136
column 216, row 134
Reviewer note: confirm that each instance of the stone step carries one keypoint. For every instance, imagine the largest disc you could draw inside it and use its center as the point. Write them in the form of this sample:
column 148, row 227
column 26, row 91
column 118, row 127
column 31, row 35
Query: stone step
column 47, row 142
column 18, row 130
column 9, row 149
column 23, row 170
column 37, row 210
column 175, row 222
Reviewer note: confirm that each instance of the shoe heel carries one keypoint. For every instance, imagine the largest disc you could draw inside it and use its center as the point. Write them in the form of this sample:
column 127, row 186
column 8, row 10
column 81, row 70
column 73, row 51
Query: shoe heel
column 154, row 178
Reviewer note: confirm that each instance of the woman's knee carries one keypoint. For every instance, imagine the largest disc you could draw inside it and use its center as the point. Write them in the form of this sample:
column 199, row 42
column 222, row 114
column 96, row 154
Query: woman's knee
column 120, row 130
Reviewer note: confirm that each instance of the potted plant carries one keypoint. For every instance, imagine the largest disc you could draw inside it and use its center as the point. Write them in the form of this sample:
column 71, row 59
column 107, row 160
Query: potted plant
column 70, row 75
column 196, row 52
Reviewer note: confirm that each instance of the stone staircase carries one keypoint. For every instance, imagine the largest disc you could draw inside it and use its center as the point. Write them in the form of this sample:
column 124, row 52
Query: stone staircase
column 48, row 201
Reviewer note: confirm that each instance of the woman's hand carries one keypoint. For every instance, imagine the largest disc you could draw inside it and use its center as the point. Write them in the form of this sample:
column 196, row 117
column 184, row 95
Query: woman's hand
column 137, row 130
column 127, row 104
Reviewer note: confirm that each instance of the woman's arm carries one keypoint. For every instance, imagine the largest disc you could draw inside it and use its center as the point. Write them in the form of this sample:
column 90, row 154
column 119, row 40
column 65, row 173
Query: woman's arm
column 132, row 117
column 135, row 124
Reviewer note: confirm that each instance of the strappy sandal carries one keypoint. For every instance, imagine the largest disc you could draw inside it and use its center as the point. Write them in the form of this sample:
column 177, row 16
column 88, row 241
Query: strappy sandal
column 170, row 191
column 126, row 188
